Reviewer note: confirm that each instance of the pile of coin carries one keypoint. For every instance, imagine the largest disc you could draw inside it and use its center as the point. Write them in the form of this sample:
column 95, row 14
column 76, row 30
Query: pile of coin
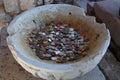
column 57, row 42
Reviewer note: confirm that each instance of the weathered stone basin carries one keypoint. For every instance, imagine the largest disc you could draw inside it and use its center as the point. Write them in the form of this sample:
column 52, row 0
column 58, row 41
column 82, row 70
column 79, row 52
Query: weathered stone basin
column 86, row 25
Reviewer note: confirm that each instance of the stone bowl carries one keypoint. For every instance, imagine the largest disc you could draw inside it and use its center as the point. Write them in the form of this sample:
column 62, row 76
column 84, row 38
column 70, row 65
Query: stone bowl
column 75, row 16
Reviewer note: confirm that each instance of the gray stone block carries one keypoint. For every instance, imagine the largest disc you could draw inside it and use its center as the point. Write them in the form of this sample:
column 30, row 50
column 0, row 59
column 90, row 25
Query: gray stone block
column 110, row 67
column 12, row 6
column 27, row 4
column 5, row 17
column 108, row 12
column 95, row 74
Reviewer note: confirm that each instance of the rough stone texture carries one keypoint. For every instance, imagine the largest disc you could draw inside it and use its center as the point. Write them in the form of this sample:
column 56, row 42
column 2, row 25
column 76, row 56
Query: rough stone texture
column 110, row 67
column 2, row 9
column 110, row 6
column 1, row 2
column 48, row 1
column 39, row 2
column 12, row 6
column 26, row 4
column 5, row 17
column 3, row 34
column 108, row 12
column 2, row 6
column 95, row 74
column 3, row 25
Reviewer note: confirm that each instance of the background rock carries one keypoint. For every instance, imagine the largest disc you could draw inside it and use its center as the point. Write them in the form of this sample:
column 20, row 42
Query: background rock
column 1, row 3
column 26, row 4
column 39, row 2
column 5, row 17
column 3, row 34
column 110, row 67
column 108, row 12
column 12, row 6
column 48, row 1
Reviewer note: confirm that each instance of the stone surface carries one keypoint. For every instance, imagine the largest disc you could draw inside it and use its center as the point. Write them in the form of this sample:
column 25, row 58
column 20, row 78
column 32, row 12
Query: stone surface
column 26, row 4
column 110, row 67
column 39, row 2
column 3, row 25
column 108, row 12
column 1, row 3
column 48, row 1
column 110, row 6
column 95, row 74
column 5, row 17
column 12, row 6
column 115, row 49
column 2, row 9
column 3, row 33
